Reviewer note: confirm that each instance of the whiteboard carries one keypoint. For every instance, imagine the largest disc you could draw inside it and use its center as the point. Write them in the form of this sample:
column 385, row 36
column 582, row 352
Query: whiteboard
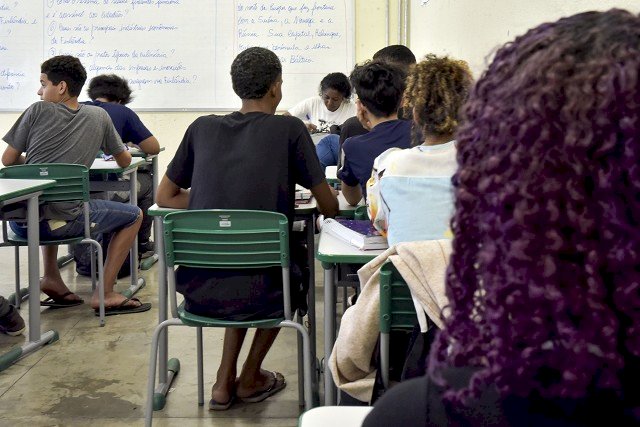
column 176, row 54
column 473, row 30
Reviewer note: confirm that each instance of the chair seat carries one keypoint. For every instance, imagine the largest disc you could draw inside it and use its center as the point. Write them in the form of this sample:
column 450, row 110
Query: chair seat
column 16, row 240
column 208, row 322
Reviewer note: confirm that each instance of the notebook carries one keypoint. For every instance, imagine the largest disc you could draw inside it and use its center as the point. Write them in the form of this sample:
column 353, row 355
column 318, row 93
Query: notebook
column 302, row 194
column 359, row 233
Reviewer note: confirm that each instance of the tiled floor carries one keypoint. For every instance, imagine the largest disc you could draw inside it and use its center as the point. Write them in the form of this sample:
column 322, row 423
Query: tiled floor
column 98, row 376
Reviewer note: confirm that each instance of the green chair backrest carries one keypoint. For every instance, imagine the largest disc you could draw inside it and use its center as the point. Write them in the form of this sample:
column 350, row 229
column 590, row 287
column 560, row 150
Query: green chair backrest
column 220, row 238
column 397, row 311
column 72, row 181
column 361, row 213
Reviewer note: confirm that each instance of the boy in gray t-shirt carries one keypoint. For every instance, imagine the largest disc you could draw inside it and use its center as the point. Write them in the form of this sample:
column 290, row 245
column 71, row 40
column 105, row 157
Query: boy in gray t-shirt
column 60, row 130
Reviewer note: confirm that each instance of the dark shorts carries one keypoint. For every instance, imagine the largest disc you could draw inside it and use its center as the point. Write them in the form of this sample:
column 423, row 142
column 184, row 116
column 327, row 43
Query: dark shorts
column 105, row 216
column 242, row 295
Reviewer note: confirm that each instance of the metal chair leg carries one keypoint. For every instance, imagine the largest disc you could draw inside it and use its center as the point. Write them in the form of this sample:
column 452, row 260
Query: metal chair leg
column 18, row 296
column 153, row 361
column 306, row 346
column 384, row 359
column 98, row 250
column 199, row 350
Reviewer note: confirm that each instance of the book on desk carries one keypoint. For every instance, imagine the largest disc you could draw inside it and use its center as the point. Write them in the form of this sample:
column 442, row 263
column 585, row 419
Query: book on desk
column 302, row 194
column 358, row 233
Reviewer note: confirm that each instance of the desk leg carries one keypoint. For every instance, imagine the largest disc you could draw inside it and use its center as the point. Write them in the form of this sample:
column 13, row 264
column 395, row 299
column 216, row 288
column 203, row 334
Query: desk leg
column 36, row 339
column 309, row 228
column 136, row 284
column 311, row 249
column 329, row 331
column 167, row 368
column 146, row 264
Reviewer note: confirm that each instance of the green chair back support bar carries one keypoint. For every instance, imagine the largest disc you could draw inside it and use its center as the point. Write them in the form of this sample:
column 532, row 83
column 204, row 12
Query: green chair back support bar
column 224, row 239
column 72, row 181
column 397, row 312
column 72, row 184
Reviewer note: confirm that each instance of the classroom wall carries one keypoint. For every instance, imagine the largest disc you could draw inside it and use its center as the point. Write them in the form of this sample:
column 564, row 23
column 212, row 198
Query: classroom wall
column 169, row 127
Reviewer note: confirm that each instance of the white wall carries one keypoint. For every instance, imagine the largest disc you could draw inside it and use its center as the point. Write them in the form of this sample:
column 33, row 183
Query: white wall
column 472, row 30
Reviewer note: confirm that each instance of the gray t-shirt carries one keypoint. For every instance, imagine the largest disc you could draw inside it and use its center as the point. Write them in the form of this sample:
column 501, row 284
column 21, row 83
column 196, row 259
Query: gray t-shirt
column 54, row 133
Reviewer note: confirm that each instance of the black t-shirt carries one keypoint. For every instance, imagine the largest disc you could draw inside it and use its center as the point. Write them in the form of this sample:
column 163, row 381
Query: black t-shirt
column 242, row 161
column 245, row 161
column 419, row 402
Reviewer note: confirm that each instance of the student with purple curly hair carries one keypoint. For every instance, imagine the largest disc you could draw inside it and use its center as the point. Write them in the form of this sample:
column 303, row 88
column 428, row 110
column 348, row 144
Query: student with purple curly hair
column 544, row 279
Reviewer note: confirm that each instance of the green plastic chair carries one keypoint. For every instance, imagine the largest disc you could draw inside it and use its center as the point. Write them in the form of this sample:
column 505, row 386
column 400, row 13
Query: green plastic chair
column 360, row 213
column 72, row 184
column 225, row 239
column 397, row 312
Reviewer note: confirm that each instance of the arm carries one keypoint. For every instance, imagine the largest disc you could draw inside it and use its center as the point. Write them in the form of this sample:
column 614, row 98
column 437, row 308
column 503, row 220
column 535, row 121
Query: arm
column 11, row 157
column 353, row 195
column 123, row 158
column 150, row 145
column 326, row 199
column 169, row 195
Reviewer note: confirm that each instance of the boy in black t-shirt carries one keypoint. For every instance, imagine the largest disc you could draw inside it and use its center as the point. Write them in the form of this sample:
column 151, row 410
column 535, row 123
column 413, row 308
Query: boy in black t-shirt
column 250, row 159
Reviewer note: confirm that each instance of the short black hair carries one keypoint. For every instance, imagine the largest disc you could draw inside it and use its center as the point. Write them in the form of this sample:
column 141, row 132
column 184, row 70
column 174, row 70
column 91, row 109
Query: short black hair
column 110, row 86
column 379, row 86
column 253, row 72
column 65, row 68
column 336, row 81
column 396, row 54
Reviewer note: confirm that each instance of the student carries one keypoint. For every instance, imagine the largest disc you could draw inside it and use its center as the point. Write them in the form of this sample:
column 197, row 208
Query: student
column 398, row 55
column 379, row 86
column 228, row 172
column 542, row 285
column 11, row 323
column 112, row 93
column 60, row 130
column 404, row 182
column 332, row 107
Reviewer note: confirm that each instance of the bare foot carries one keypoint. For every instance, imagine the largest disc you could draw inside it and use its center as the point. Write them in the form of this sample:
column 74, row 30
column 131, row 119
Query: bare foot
column 112, row 299
column 55, row 288
column 250, row 386
column 222, row 393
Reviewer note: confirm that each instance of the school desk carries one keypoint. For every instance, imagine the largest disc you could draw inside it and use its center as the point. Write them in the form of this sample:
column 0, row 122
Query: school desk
column 13, row 191
column 146, row 264
column 331, row 252
column 97, row 174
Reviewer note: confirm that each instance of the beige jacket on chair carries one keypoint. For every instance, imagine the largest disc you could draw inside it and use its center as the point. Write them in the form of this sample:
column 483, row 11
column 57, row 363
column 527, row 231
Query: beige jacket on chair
column 423, row 266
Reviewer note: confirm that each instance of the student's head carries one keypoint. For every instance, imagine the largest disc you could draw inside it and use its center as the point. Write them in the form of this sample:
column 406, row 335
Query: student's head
column 396, row 54
column 436, row 90
column 544, row 280
column 334, row 89
column 256, row 73
column 111, row 87
column 61, row 77
column 379, row 86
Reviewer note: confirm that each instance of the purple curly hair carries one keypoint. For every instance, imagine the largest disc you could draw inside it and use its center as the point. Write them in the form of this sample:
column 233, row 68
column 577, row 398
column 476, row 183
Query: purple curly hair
column 544, row 279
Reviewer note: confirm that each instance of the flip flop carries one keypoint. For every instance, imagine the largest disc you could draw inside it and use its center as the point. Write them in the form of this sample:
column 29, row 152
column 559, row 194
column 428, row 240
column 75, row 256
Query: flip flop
column 59, row 301
column 123, row 308
column 217, row 406
column 278, row 384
